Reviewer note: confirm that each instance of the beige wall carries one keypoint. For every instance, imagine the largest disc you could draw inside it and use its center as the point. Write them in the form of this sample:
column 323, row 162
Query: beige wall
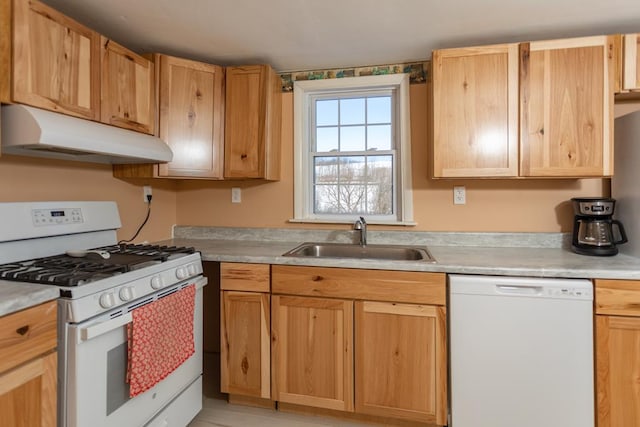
column 492, row 205
column 30, row 179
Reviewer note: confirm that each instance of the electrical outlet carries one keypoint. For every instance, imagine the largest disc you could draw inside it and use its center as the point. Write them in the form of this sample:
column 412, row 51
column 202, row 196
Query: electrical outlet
column 236, row 195
column 459, row 195
column 146, row 191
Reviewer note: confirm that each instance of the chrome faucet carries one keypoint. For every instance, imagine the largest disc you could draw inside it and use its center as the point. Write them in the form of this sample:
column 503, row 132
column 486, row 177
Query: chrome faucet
column 361, row 225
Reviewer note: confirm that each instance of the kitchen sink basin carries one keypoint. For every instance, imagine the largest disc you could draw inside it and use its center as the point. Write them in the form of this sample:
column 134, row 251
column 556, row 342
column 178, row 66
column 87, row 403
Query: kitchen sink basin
column 379, row 252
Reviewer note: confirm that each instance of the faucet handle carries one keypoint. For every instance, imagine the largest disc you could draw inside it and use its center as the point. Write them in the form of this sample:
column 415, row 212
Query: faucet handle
column 362, row 220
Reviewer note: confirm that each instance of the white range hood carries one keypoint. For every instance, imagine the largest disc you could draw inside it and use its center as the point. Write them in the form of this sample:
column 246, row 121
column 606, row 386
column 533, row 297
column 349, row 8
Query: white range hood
column 30, row 131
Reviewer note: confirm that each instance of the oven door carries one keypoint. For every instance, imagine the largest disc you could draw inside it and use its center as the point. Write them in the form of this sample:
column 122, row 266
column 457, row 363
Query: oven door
column 97, row 393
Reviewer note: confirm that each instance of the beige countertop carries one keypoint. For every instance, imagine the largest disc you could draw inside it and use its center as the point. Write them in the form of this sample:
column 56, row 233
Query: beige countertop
column 16, row 296
column 512, row 261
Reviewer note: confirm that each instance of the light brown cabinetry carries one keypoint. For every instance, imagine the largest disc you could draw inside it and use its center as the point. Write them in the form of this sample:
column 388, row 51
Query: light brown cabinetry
column 245, row 330
column 313, row 352
column 369, row 341
column 128, row 90
column 564, row 102
column 631, row 63
column 566, row 107
column 617, row 352
column 28, row 367
column 252, row 123
column 51, row 61
column 191, row 117
column 475, row 111
column 398, row 370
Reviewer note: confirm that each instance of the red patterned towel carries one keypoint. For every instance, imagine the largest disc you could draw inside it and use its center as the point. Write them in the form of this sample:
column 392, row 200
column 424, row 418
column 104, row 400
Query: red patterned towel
column 160, row 339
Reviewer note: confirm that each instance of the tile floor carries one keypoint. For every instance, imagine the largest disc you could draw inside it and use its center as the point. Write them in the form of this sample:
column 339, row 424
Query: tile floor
column 218, row 413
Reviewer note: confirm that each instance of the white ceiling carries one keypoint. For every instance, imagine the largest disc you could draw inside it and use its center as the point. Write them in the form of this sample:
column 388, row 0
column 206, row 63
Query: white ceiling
column 295, row 35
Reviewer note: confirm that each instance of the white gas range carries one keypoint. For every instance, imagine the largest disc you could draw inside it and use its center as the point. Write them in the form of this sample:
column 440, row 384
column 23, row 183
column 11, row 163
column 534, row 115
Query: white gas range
column 73, row 246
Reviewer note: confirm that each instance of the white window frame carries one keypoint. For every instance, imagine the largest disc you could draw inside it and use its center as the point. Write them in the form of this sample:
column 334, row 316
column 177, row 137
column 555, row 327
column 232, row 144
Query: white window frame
column 303, row 93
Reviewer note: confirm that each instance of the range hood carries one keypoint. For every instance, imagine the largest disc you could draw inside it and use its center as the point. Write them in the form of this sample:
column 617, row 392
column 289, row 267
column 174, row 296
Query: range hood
column 30, row 131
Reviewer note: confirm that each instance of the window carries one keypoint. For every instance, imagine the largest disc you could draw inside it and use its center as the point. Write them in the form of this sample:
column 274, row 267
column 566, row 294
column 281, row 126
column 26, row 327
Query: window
column 352, row 150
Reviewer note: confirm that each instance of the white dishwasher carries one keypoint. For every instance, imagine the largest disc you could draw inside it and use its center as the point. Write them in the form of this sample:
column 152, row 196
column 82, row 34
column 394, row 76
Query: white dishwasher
column 521, row 352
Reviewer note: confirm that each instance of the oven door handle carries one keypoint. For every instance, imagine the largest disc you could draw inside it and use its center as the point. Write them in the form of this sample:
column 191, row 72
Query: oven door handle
column 91, row 332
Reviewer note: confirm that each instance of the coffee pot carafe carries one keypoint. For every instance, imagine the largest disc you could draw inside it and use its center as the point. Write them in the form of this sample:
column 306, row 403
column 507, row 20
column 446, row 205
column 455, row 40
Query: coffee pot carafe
column 595, row 232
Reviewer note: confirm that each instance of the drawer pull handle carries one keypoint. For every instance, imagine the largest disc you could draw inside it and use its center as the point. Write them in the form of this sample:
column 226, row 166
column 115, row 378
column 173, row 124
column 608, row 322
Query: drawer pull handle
column 316, row 278
column 23, row 330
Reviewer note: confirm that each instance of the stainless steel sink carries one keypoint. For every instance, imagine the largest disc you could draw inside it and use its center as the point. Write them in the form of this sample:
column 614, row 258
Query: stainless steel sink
column 379, row 252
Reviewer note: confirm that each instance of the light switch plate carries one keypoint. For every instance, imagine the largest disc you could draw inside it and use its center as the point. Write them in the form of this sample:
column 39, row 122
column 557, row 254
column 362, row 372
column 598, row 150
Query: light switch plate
column 236, row 195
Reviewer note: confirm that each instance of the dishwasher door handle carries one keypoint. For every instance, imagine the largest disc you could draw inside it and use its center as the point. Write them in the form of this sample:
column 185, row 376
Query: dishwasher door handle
column 519, row 290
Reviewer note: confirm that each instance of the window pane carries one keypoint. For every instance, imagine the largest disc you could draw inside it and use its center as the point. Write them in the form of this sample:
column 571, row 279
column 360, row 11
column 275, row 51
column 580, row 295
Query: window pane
column 326, row 199
column 352, row 138
column 380, row 199
column 352, row 169
column 325, row 170
column 352, row 111
column 379, row 109
column 379, row 137
column 380, row 169
column 326, row 139
column 327, row 112
column 352, row 198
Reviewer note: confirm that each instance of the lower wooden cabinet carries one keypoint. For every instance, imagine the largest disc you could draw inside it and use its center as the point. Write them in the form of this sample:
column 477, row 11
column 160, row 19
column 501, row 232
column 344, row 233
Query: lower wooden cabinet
column 400, row 360
column 28, row 367
column 337, row 344
column 313, row 352
column 618, row 353
column 245, row 330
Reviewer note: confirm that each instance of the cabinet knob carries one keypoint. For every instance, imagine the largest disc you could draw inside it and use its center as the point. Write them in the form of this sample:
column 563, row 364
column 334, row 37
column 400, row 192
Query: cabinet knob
column 243, row 156
column 23, row 330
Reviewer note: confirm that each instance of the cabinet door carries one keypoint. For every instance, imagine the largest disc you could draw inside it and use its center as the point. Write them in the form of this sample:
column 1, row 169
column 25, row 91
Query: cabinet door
column 475, row 112
column 252, row 123
column 566, row 105
column 55, row 61
column 28, row 393
column 631, row 61
column 401, row 354
column 617, row 368
column 128, row 89
column 192, row 117
column 245, row 341
column 313, row 352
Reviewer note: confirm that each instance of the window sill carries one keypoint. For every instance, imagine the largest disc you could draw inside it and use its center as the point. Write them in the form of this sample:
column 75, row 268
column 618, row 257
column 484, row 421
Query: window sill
column 346, row 221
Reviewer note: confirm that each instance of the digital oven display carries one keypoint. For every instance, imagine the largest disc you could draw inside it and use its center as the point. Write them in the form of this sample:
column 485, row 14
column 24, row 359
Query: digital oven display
column 57, row 213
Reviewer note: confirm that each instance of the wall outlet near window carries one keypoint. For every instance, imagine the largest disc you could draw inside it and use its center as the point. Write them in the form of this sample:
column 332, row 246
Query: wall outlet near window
column 236, row 195
column 459, row 195
column 146, row 191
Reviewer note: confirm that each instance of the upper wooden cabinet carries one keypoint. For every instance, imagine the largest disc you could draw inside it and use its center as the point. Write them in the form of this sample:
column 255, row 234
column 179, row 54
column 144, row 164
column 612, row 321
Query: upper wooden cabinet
column 52, row 62
column 128, row 89
column 475, row 111
column 566, row 107
column 191, row 117
column 252, row 123
column 563, row 96
column 631, row 62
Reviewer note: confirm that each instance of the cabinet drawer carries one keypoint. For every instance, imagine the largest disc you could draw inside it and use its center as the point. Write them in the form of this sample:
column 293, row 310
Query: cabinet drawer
column 618, row 297
column 27, row 334
column 374, row 285
column 244, row 277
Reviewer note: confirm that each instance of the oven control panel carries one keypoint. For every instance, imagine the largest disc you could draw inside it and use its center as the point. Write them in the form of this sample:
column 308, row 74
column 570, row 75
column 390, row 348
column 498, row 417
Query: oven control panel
column 47, row 217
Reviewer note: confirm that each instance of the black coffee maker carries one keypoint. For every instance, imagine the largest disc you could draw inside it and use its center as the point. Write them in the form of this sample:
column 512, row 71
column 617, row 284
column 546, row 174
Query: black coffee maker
column 594, row 229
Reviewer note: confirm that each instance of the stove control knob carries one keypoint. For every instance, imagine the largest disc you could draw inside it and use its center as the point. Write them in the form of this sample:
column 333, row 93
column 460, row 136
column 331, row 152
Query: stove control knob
column 126, row 293
column 156, row 282
column 182, row 273
column 192, row 269
column 107, row 300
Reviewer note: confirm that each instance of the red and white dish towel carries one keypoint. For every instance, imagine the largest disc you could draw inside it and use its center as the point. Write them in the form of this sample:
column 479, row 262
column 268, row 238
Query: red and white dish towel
column 160, row 339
